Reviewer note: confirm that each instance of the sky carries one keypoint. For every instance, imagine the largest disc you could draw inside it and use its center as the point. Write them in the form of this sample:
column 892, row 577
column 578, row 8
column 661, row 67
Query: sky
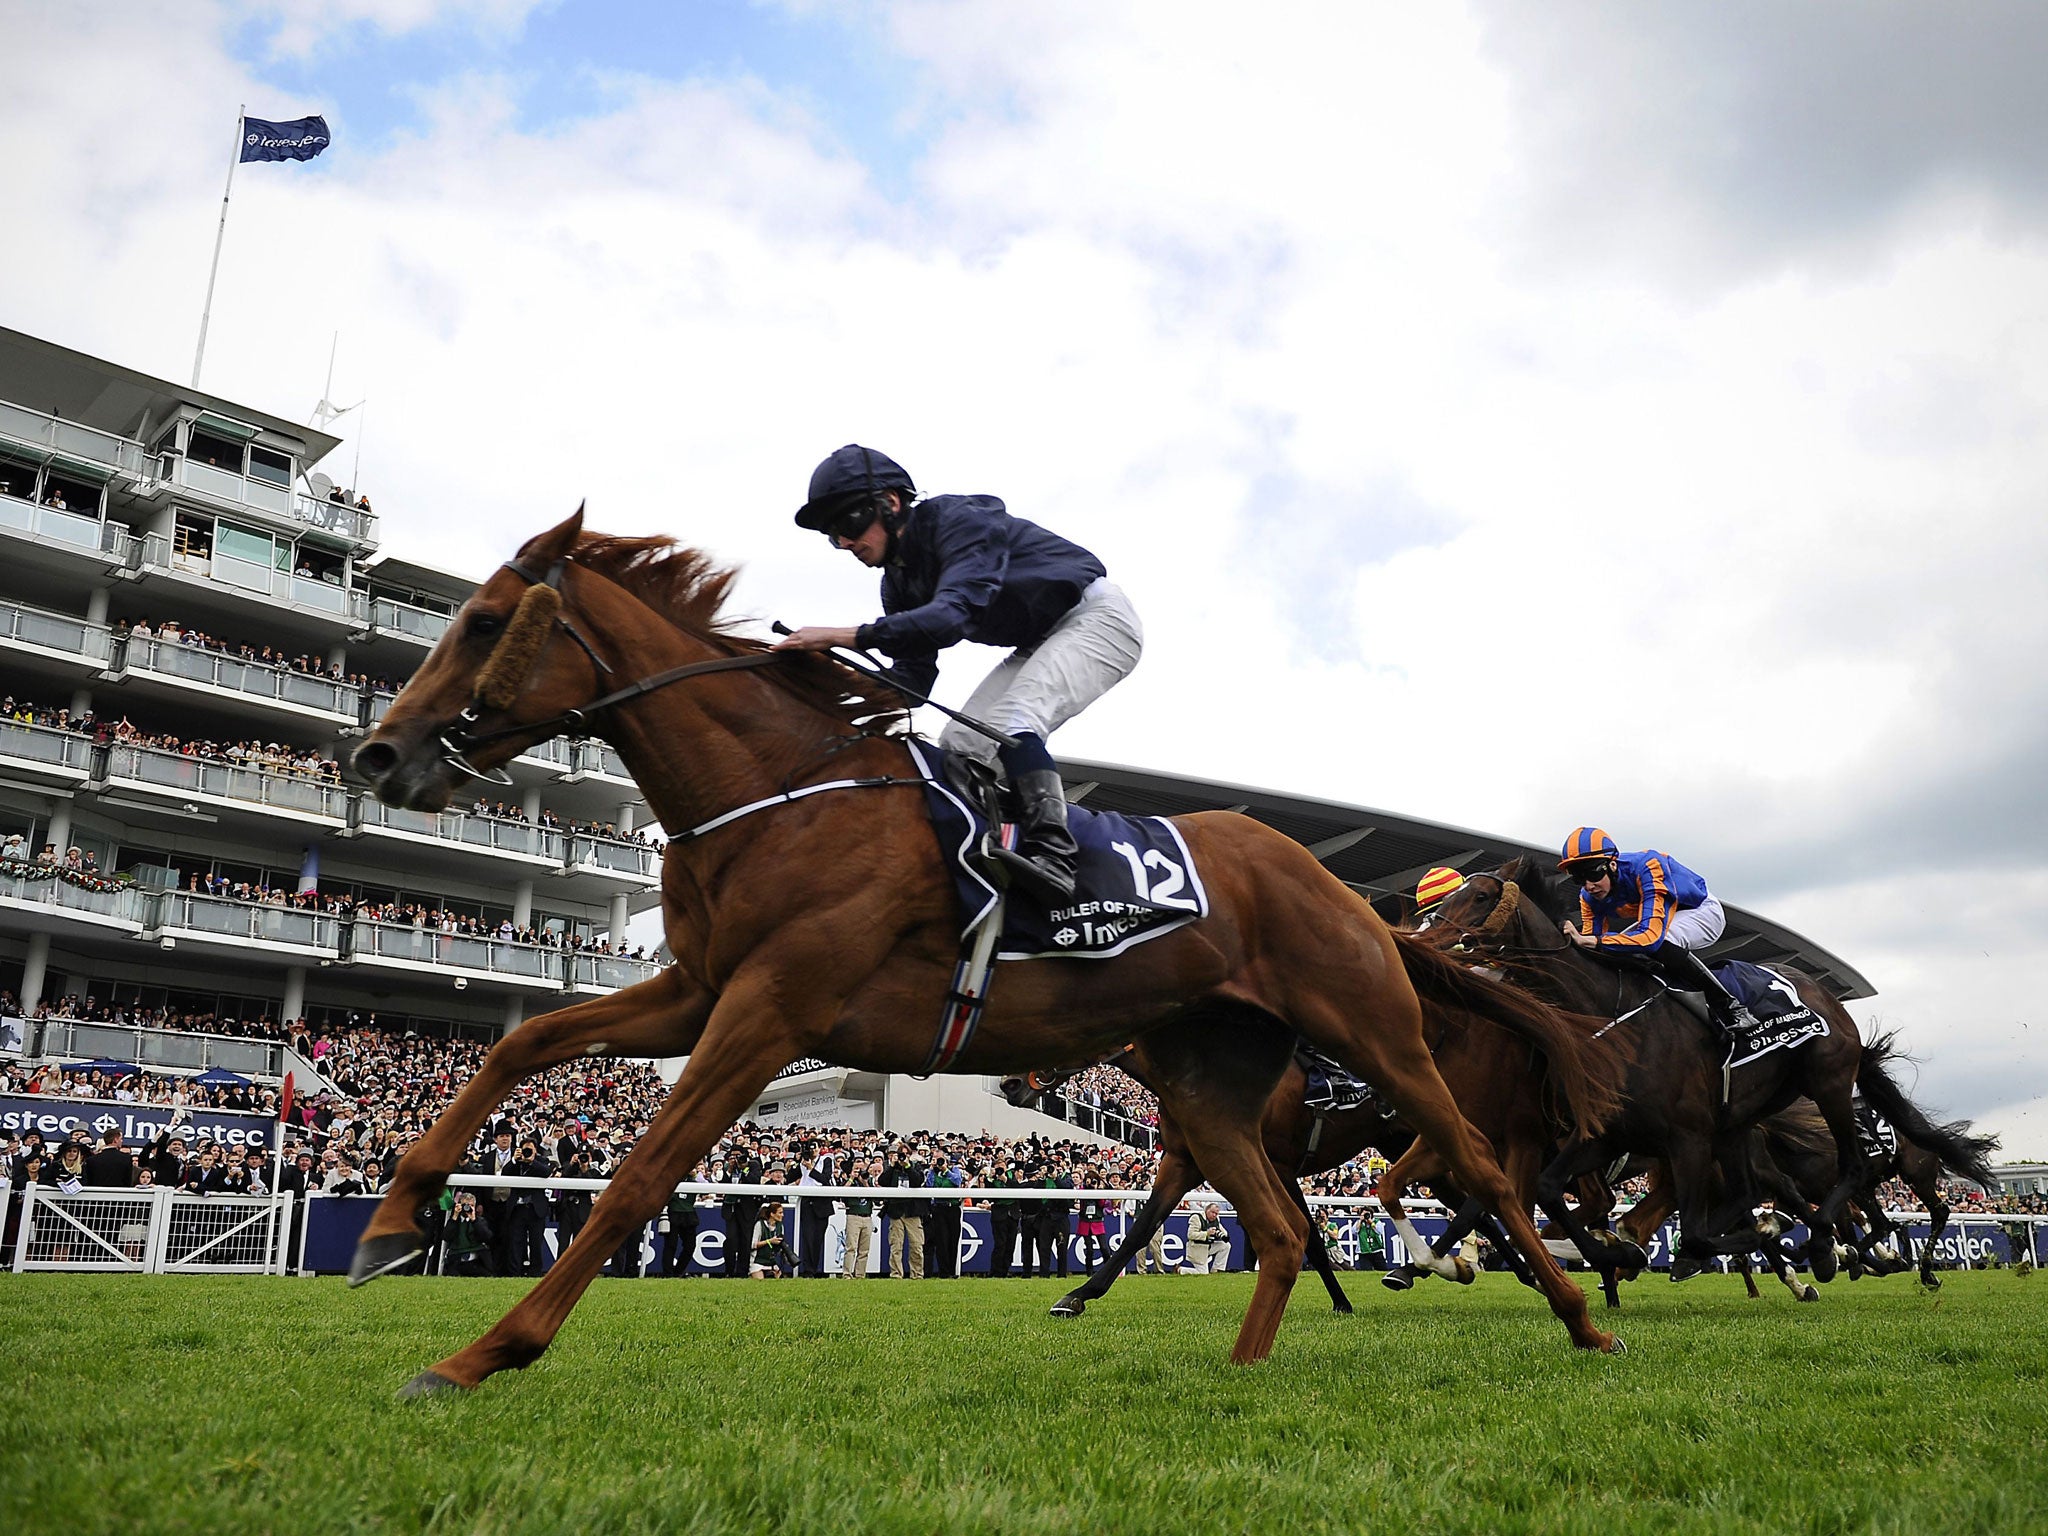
column 1514, row 416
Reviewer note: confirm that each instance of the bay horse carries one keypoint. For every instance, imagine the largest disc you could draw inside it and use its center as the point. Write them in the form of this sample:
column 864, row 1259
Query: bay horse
column 1672, row 1096
column 1509, row 1066
column 827, row 925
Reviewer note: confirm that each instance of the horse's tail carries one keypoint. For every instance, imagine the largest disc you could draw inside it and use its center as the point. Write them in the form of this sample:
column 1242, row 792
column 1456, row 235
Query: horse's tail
column 1960, row 1148
column 1586, row 1071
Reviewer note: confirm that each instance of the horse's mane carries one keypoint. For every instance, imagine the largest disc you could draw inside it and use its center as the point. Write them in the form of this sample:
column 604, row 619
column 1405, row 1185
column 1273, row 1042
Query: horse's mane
column 685, row 587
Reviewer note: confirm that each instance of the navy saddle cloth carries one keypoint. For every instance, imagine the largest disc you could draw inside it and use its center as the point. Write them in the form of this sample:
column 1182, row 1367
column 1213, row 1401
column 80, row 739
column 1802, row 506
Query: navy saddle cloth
column 1136, row 877
column 1782, row 1019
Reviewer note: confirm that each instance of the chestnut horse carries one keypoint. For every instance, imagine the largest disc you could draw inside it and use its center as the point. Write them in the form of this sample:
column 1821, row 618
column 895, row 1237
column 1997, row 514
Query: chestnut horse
column 811, row 920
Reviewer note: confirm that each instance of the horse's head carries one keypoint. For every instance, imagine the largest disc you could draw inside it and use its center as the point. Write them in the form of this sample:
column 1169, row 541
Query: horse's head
column 508, row 661
column 1513, row 904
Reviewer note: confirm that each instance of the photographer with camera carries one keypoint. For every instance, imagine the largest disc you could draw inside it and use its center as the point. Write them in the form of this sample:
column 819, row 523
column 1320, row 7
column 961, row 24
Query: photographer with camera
column 466, row 1243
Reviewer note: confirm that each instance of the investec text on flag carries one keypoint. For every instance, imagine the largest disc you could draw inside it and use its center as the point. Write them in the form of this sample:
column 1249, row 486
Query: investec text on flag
column 300, row 139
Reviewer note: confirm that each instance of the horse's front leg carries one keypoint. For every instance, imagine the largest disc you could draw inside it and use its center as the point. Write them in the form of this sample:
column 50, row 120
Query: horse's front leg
column 1176, row 1175
column 1838, row 1109
column 661, row 1016
column 1423, row 1259
column 746, row 1042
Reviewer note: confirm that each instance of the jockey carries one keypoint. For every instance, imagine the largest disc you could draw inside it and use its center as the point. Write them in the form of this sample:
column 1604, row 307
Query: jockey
column 1650, row 904
column 1433, row 888
column 961, row 568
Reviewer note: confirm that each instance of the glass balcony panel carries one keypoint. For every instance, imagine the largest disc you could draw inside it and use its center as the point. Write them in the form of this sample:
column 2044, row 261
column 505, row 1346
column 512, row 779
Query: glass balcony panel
column 70, row 437
column 17, row 512
column 246, row 1056
column 55, row 632
column 334, row 517
column 248, row 920
column 246, row 574
column 596, row 757
column 168, row 1048
column 252, row 786
column 324, row 595
column 624, row 858
column 68, row 528
column 40, row 744
column 271, row 498
column 380, row 706
column 60, row 893
column 429, row 946
column 559, row 752
column 315, row 692
column 611, row 971
column 408, row 620
column 211, row 479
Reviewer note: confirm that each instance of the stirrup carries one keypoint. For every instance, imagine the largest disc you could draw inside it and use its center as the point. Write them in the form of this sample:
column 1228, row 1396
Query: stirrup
column 1049, row 887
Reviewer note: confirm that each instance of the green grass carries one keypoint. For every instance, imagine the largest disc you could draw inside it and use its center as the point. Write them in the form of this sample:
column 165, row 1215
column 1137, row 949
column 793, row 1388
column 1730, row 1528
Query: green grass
column 226, row 1405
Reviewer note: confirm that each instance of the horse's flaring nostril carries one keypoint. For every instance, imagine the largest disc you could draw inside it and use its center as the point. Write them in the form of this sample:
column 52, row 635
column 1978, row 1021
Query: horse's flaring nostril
column 374, row 761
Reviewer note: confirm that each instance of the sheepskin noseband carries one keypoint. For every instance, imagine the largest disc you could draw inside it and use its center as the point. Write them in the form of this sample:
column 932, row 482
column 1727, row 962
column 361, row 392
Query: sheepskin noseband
column 504, row 674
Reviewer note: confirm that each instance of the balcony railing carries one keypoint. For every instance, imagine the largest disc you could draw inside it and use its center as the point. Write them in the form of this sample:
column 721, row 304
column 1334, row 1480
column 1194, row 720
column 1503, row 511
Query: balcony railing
column 587, row 852
column 230, row 485
column 75, row 1040
column 256, row 921
column 336, row 517
column 47, row 748
column 596, row 757
column 52, row 432
column 607, row 973
column 121, row 905
column 76, row 529
column 153, row 551
column 368, row 940
column 483, row 832
column 279, row 685
column 404, row 619
column 224, row 781
column 55, row 632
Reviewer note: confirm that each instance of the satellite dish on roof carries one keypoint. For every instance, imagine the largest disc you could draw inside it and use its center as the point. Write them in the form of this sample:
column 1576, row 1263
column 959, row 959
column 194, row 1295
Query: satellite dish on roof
column 320, row 483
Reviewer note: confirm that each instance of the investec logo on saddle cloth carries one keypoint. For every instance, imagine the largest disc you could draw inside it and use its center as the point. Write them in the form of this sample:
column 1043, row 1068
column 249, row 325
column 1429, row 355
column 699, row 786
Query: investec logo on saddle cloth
column 1774, row 1002
column 1135, row 881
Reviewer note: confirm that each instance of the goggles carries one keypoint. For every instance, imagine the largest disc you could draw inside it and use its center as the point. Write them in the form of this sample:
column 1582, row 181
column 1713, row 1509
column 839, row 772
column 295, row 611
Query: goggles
column 850, row 522
column 1586, row 874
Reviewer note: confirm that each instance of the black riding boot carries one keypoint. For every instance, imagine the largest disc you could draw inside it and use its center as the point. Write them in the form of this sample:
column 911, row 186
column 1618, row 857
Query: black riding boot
column 1046, row 850
column 1686, row 970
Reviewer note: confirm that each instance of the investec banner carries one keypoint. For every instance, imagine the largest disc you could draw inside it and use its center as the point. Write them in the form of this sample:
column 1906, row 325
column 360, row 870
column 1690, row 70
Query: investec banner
column 140, row 1123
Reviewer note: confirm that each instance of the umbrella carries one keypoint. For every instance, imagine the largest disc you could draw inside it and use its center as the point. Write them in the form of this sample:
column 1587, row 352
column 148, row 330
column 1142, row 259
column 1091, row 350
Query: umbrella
column 117, row 1068
column 221, row 1077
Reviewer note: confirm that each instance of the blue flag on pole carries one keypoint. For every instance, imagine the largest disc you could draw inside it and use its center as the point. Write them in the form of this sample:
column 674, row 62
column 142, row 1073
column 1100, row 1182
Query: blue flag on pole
column 300, row 139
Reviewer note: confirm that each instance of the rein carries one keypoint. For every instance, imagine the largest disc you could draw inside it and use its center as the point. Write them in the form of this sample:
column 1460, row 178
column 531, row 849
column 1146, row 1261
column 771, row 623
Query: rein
column 496, row 687
column 511, row 662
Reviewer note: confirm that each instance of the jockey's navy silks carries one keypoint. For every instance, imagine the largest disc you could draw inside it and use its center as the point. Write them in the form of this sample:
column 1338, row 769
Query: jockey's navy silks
column 964, row 569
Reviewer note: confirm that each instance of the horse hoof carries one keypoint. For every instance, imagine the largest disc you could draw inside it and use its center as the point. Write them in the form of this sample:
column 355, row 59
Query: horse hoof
column 1398, row 1280
column 1069, row 1306
column 377, row 1256
column 1685, row 1268
column 1464, row 1273
column 1931, row 1282
column 1615, row 1346
column 429, row 1384
column 1808, row 1293
column 1343, row 1308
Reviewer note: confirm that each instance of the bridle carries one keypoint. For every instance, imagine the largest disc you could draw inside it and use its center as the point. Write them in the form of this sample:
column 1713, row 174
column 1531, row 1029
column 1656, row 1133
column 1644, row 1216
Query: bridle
column 462, row 738
column 1496, row 923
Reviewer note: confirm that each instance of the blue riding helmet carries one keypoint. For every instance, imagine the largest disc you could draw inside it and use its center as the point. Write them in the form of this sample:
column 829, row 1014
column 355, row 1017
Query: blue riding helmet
column 849, row 480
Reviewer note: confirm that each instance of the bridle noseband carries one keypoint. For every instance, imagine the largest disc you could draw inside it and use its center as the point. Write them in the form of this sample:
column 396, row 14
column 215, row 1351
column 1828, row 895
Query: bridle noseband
column 462, row 737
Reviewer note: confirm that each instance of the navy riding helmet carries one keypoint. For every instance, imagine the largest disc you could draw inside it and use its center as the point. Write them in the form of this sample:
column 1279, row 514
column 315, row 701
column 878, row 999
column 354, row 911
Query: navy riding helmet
column 848, row 484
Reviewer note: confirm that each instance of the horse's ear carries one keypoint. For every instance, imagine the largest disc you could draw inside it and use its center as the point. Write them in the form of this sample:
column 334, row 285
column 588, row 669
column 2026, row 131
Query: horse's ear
column 546, row 548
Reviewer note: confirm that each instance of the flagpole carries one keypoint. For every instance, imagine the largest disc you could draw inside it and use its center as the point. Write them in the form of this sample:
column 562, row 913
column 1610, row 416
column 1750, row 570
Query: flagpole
column 198, row 357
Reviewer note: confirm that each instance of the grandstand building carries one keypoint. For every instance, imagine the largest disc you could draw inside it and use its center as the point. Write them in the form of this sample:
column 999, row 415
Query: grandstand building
column 136, row 514
column 128, row 503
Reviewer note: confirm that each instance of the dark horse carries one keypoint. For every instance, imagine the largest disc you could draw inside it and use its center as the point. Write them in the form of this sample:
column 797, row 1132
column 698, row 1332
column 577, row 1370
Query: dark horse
column 826, row 925
column 1672, row 1104
column 1795, row 1155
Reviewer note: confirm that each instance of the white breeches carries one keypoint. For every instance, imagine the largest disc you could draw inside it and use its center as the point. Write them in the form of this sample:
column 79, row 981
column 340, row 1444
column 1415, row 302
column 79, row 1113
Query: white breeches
column 1696, row 927
column 1093, row 648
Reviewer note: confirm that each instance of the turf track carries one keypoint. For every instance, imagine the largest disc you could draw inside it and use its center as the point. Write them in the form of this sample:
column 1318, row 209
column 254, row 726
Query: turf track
column 218, row 1405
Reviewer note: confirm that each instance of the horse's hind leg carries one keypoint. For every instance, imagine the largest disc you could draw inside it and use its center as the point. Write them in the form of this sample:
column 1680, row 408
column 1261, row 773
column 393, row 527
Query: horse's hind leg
column 1176, row 1175
column 661, row 1016
column 1220, row 1114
